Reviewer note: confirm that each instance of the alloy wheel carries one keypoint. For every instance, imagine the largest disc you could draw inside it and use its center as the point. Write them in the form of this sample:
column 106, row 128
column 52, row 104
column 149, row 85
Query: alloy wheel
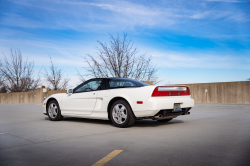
column 53, row 110
column 119, row 113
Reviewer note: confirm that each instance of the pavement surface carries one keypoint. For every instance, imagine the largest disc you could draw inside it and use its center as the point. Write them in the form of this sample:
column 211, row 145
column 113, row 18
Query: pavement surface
column 213, row 134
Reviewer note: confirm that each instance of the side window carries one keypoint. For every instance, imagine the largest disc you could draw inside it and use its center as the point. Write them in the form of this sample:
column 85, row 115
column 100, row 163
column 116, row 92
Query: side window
column 89, row 86
column 121, row 83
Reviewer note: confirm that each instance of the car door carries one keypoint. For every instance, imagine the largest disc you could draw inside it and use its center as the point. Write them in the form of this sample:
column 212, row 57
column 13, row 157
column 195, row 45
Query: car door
column 83, row 98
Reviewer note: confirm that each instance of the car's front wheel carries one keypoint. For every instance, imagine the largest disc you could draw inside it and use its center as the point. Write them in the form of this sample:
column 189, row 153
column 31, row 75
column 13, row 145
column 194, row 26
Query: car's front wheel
column 53, row 111
column 121, row 114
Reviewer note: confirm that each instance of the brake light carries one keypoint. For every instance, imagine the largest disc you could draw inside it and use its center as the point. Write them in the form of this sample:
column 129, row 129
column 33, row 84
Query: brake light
column 171, row 91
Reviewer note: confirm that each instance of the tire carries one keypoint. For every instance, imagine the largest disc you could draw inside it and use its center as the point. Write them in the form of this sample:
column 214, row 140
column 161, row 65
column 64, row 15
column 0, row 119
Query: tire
column 121, row 114
column 164, row 120
column 53, row 111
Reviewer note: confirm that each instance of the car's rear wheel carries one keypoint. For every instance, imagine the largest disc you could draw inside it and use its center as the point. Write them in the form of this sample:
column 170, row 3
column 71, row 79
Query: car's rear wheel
column 53, row 111
column 121, row 114
column 165, row 120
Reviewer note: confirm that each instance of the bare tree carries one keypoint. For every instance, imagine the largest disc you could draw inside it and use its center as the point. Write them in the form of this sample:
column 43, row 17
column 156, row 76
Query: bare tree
column 81, row 77
column 3, row 90
column 57, row 80
column 119, row 59
column 2, row 87
column 18, row 75
column 1, row 76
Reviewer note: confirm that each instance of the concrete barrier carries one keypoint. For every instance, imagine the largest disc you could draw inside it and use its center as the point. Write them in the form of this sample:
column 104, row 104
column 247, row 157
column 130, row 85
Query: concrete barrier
column 149, row 82
column 55, row 91
column 26, row 97
column 221, row 92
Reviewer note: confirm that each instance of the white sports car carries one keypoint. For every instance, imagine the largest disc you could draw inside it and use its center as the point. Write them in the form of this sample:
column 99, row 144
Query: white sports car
column 120, row 100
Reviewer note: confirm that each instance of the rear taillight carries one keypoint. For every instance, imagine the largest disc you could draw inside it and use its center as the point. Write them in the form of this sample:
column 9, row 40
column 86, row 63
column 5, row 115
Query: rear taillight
column 171, row 91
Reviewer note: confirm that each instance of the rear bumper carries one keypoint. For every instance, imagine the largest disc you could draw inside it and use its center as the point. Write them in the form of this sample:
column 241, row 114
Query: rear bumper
column 156, row 104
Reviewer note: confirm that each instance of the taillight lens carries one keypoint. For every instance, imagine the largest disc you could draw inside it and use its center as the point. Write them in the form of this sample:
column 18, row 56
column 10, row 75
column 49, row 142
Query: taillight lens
column 157, row 93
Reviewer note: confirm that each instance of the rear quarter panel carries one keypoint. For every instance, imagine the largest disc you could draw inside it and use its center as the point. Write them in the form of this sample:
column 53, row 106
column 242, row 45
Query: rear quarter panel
column 132, row 95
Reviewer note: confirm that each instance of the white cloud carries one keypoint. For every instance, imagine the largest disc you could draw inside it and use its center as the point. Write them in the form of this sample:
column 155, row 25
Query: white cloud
column 168, row 80
column 226, row 36
column 200, row 15
column 111, row 14
column 120, row 6
column 170, row 59
column 39, row 52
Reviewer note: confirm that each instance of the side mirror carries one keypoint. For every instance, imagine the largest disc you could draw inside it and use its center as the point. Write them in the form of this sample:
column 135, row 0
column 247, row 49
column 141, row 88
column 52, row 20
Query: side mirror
column 69, row 91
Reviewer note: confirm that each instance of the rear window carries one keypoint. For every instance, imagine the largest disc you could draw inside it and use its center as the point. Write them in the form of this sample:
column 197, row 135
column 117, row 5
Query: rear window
column 123, row 83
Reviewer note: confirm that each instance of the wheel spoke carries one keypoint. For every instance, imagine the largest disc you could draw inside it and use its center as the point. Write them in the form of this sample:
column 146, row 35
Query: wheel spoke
column 49, row 112
column 124, row 116
column 122, row 108
column 50, row 107
column 115, row 115
column 116, row 108
column 54, row 112
column 55, row 107
column 119, row 119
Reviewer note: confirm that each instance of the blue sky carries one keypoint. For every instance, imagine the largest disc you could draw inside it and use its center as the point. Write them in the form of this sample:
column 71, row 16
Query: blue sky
column 191, row 41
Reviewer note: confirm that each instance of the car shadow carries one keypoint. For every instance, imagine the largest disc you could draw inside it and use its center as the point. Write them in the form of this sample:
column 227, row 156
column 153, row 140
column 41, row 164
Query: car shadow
column 154, row 123
column 84, row 120
column 138, row 123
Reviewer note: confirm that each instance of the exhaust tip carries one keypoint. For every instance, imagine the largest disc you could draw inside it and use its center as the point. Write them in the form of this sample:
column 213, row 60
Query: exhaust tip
column 160, row 116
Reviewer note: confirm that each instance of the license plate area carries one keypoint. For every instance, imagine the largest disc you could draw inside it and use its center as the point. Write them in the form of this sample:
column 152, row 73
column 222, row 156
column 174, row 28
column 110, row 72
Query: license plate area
column 177, row 107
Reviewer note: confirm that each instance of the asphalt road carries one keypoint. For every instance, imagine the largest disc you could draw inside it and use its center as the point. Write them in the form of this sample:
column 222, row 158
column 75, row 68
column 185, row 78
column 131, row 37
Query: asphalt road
column 213, row 134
